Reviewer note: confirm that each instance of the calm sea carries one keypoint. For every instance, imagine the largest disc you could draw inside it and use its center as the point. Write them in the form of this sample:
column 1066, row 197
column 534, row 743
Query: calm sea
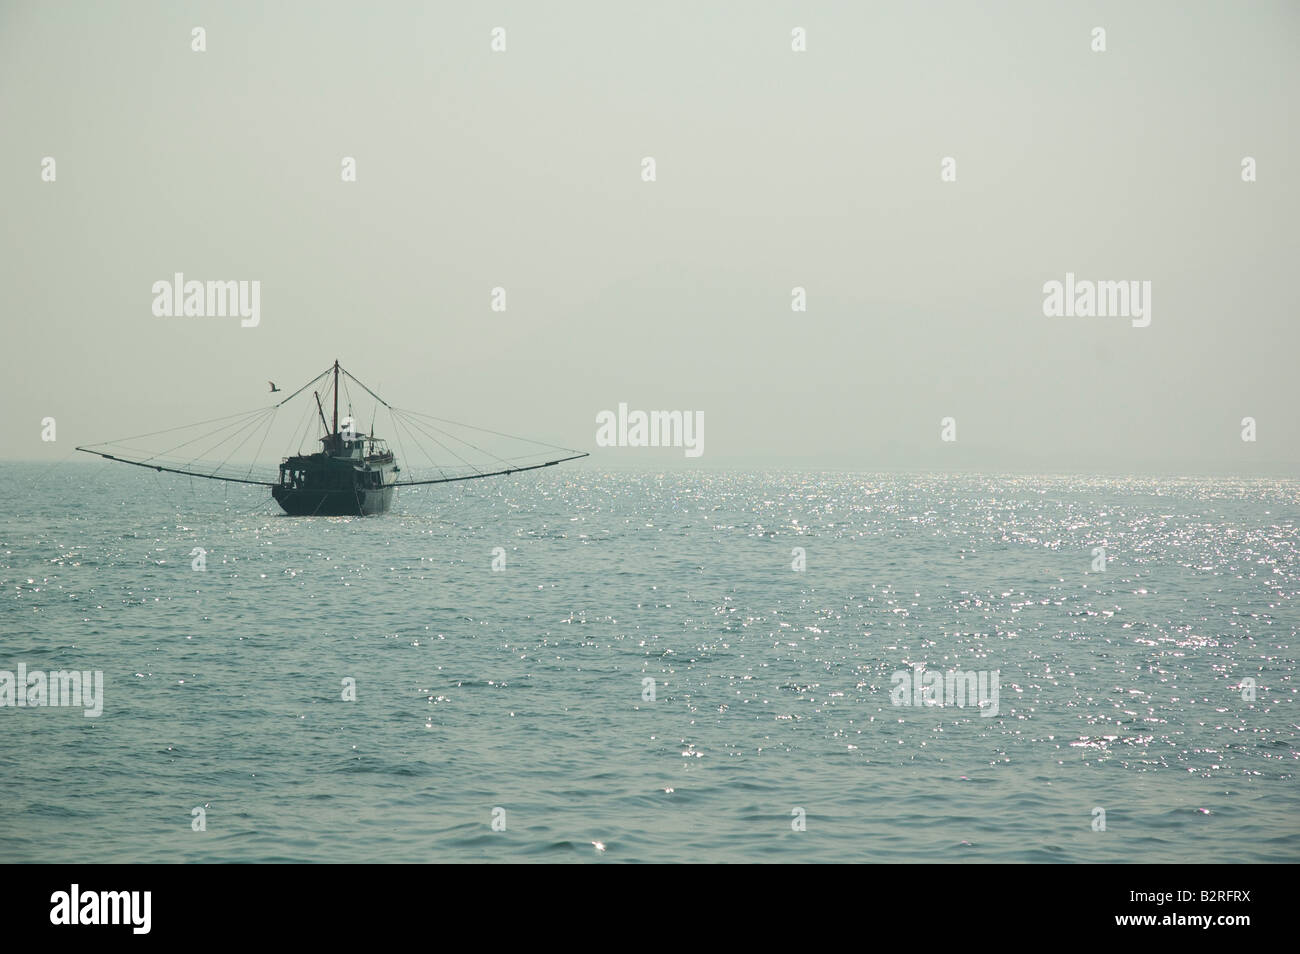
column 1125, row 726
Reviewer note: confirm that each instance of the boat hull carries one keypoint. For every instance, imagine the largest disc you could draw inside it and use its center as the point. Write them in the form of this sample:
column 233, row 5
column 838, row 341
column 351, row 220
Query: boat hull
column 298, row 502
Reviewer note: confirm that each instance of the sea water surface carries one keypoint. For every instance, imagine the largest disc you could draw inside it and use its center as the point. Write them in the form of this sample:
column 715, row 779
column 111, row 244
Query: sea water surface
column 519, row 694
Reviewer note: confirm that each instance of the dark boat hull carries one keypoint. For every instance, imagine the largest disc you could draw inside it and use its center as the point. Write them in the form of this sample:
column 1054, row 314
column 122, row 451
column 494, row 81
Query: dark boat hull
column 298, row 502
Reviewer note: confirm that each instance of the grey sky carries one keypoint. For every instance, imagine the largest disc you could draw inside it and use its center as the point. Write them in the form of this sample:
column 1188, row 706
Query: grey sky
column 775, row 169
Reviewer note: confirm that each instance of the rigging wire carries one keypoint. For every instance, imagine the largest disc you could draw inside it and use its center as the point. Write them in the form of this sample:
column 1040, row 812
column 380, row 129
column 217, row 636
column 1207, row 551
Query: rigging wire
column 168, row 430
column 485, row 430
column 299, row 432
column 397, row 436
column 237, row 425
column 436, row 466
column 252, row 430
column 442, row 445
column 306, row 386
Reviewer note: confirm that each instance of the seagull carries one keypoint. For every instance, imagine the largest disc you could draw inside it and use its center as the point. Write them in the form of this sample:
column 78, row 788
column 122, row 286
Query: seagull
column 273, row 387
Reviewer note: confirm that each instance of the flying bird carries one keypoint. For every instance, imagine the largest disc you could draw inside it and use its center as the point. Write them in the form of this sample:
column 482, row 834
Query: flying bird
column 273, row 387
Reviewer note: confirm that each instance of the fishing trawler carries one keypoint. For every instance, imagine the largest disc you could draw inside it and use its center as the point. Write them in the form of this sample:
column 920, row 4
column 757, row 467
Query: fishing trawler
column 353, row 474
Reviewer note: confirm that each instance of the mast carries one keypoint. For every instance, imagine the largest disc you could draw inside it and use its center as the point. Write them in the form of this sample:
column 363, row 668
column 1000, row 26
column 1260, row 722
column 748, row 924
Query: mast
column 323, row 425
column 336, row 395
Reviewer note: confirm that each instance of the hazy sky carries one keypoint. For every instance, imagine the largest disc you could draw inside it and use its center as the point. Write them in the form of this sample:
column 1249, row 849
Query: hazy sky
column 775, row 169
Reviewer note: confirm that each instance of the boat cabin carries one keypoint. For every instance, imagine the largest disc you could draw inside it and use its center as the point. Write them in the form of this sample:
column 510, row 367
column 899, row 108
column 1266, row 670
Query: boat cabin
column 353, row 445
